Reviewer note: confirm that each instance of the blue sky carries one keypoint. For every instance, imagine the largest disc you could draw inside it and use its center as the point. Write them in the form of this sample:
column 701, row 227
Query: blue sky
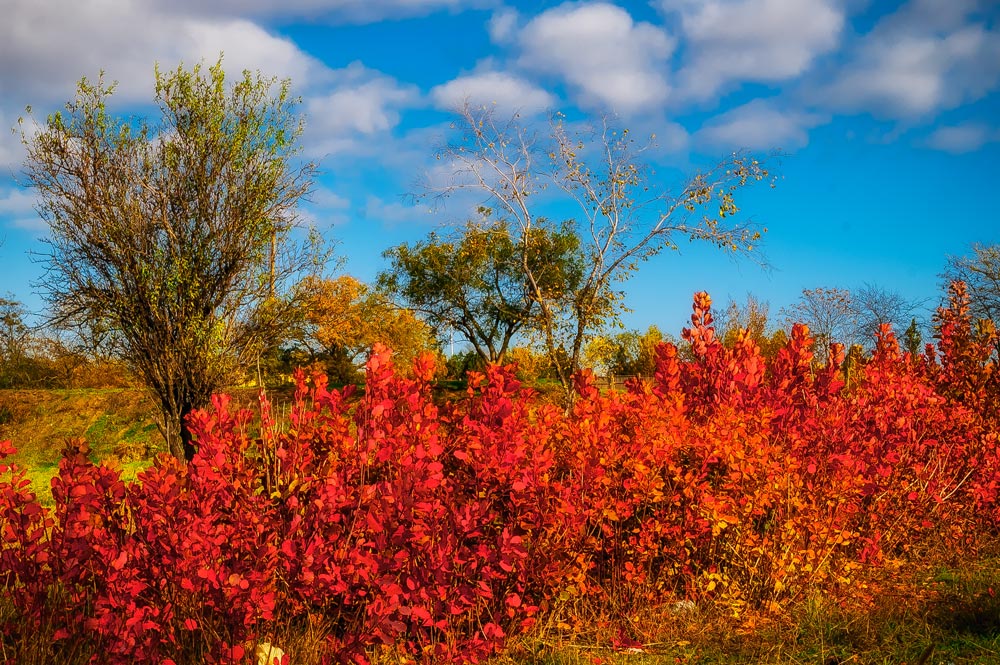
column 888, row 114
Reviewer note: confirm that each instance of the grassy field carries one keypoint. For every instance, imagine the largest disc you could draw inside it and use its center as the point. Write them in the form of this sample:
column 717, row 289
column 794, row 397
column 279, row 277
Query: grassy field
column 949, row 615
column 118, row 424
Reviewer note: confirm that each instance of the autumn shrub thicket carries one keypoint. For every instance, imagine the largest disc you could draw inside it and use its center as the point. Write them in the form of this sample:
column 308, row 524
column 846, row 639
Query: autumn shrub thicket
column 392, row 523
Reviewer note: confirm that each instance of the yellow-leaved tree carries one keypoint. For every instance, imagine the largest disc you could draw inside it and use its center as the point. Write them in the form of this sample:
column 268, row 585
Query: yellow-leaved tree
column 342, row 319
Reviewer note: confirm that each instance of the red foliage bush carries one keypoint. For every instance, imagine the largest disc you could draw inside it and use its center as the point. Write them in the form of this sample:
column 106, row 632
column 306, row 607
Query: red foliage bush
column 440, row 530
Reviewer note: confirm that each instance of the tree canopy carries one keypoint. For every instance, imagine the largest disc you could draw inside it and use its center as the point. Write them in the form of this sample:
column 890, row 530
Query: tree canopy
column 474, row 282
column 343, row 318
column 629, row 353
column 175, row 235
column 621, row 214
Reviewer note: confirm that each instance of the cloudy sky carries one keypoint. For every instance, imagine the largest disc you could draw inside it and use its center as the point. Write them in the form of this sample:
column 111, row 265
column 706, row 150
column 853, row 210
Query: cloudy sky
column 887, row 113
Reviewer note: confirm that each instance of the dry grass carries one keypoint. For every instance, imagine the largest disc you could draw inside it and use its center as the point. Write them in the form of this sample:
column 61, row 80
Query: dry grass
column 942, row 616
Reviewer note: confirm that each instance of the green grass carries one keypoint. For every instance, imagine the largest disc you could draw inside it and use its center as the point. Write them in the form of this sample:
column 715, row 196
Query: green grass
column 117, row 425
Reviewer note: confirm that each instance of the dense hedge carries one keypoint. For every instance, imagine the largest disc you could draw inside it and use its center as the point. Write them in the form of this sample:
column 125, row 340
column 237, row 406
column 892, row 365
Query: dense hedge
column 436, row 531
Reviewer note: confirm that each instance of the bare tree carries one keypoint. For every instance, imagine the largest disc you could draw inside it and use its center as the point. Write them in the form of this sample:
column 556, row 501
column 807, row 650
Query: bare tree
column 830, row 315
column 751, row 316
column 981, row 273
column 622, row 216
column 174, row 238
column 874, row 306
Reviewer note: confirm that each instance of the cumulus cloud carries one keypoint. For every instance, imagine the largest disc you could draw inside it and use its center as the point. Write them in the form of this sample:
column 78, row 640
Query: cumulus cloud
column 246, row 45
column 503, row 25
column 759, row 125
column 925, row 58
column 505, row 92
column 959, row 139
column 361, row 102
column 17, row 206
column 611, row 60
column 333, row 11
column 730, row 41
column 45, row 51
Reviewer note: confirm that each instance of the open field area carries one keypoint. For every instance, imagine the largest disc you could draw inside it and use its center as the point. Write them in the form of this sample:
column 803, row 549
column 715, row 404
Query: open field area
column 118, row 425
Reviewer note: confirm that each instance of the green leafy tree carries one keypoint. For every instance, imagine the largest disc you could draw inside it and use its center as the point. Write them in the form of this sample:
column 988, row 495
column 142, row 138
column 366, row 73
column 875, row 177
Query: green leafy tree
column 623, row 216
column 912, row 339
column 629, row 353
column 474, row 281
column 175, row 235
column 773, row 343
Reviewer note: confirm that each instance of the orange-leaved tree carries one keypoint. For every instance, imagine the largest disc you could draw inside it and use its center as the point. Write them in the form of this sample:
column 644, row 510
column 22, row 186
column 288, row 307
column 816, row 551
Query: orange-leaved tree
column 342, row 319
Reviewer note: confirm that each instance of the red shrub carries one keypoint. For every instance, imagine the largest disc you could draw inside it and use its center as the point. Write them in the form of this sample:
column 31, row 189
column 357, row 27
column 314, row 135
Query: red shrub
column 440, row 530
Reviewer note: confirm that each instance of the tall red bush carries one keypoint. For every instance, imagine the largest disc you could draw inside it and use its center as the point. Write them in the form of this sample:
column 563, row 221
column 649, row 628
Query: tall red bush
column 438, row 530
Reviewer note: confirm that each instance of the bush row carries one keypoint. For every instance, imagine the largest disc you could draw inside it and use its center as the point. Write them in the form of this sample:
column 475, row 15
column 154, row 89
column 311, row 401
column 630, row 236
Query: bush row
column 436, row 531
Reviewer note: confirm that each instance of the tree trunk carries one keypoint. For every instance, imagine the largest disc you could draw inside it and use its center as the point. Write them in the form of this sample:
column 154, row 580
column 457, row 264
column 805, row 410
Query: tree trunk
column 187, row 441
column 169, row 430
column 174, row 427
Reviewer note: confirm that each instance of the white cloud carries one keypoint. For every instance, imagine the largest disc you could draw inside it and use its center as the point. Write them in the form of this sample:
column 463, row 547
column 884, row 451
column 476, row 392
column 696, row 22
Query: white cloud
column 600, row 51
column 327, row 199
column 247, row 46
column 933, row 15
column 325, row 208
column 503, row 25
column 392, row 213
column 752, row 40
column 759, row 125
column 959, row 139
column 11, row 150
column 18, row 207
column 334, row 11
column 45, row 50
column 925, row 58
column 667, row 138
column 362, row 102
column 506, row 92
